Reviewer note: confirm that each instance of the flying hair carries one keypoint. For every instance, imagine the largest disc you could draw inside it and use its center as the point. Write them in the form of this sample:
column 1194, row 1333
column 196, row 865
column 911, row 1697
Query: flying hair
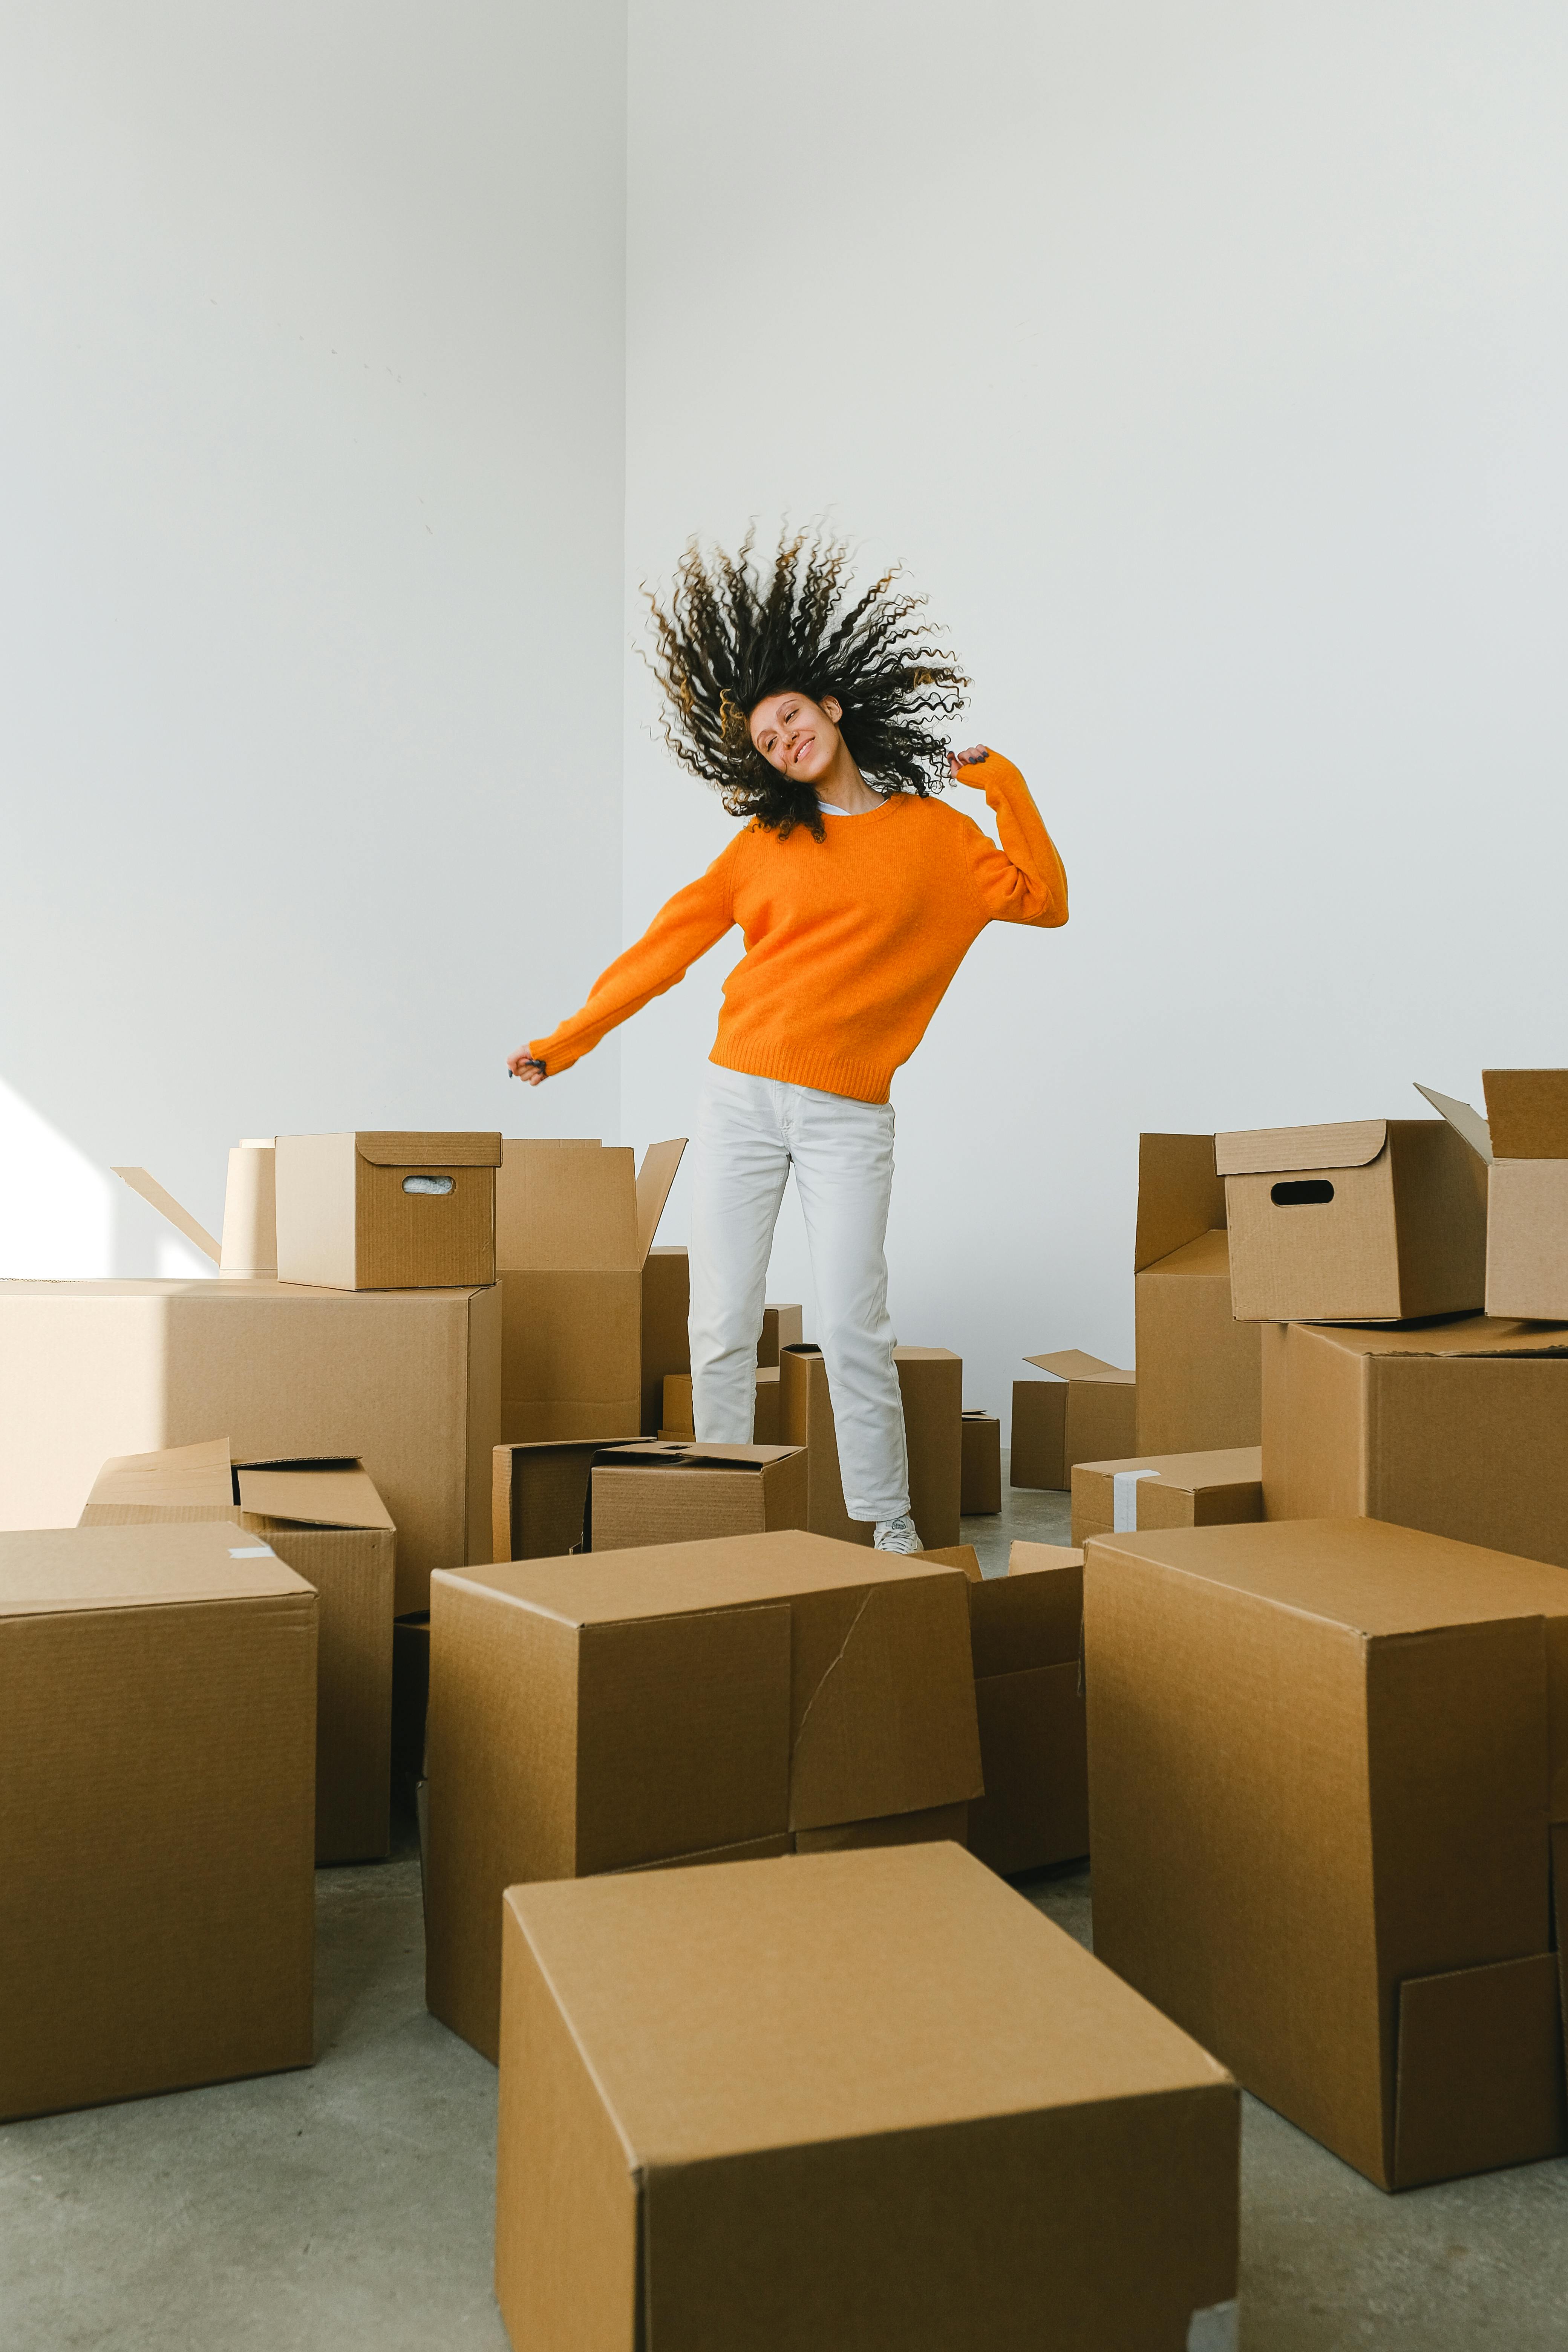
column 725, row 639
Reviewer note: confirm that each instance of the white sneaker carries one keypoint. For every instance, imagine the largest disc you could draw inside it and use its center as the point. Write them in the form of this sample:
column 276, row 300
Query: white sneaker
column 897, row 1535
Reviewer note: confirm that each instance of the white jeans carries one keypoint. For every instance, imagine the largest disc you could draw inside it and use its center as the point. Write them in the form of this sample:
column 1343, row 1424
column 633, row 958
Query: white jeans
column 749, row 1133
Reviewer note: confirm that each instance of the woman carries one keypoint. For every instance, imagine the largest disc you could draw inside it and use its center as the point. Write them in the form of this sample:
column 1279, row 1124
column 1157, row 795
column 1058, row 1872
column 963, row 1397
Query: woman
column 857, row 895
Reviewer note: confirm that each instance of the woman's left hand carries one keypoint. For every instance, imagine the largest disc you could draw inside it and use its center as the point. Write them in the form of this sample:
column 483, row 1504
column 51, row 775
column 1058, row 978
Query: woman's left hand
column 971, row 758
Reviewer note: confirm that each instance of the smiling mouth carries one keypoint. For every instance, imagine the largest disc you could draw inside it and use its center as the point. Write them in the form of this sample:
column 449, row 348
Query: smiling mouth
column 804, row 749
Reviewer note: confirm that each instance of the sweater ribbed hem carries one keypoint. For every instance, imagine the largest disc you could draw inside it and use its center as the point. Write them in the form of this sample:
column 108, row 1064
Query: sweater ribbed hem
column 830, row 1073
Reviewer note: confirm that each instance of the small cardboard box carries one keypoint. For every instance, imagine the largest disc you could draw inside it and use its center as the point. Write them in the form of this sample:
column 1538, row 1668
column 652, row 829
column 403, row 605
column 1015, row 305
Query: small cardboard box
column 1373, row 1221
column 932, row 1382
column 406, row 1381
column 386, row 1212
column 651, row 1493
column 592, row 1318
column 590, row 1714
column 1523, row 1143
column 1166, row 1490
column 157, row 1763
column 808, row 2140
column 1023, row 1631
column 1325, row 1761
column 1083, row 1412
column 982, row 1475
column 325, row 1520
column 767, row 1426
column 1199, row 1378
column 1456, row 1428
column 782, row 1326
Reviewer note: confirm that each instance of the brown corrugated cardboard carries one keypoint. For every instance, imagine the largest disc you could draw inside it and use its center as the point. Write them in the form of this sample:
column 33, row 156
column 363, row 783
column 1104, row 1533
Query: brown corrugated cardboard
column 588, row 1714
column 1453, row 1427
column 541, row 1498
column 1525, row 1148
column 1166, row 1490
column 675, row 1409
column 157, row 1746
column 767, row 1426
column 1324, row 1756
column 657, row 1492
column 410, row 1700
column 982, row 1477
column 407, row 1382
column 1371, row 1220
column 805, row 1418
column 250, row 1211
column 930, row 1381
column 743, row 2154
column 1198, row 1375
column 575, row 1231
column 782, row 1326
column 155, row 1196
column 325, row 1520
column 1082, row 1413
column 942, row 1822
column 377, row 1211
column 676, row 1416
column 1024, row 1630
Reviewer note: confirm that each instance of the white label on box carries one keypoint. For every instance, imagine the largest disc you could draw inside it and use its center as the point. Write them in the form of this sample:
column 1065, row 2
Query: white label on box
column 251, row 1552
column 1124, row 1500
column 1213, row 2330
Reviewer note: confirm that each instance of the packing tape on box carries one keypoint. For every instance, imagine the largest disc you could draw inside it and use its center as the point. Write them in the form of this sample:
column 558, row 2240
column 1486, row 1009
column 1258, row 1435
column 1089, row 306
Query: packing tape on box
column 251, row 1552
column 1124, row 1500
column 1214, row 2329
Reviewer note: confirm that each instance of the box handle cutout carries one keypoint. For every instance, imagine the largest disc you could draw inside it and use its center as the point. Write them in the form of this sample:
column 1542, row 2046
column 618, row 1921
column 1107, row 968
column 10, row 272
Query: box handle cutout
column 435, row 1187
column 1300, row 1191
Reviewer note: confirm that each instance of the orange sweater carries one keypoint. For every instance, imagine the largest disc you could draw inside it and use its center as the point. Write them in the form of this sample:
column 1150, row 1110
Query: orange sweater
column 850, row 941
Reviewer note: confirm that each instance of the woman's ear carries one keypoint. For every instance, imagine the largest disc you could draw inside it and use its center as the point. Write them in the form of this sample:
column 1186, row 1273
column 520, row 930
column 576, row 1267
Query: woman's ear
column 833, row 706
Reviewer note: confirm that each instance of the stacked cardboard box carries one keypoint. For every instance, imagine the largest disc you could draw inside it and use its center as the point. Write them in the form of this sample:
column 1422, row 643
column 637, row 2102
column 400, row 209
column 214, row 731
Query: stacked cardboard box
column 386, row 1212
column 932, row 1382
column 1084, row 1411
column 1169, row 1490
column 1522, row 1143
column 1198, row 1377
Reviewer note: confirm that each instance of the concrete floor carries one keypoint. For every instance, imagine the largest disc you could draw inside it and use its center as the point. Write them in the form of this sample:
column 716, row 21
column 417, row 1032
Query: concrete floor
column 351, row 2206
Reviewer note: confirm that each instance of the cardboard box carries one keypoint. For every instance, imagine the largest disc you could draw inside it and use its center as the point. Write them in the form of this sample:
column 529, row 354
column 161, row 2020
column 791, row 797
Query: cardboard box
column 742, row 2153
column 1523, row 1143
column 1082, row 1413
column 410, row 1701
column 1373, row 1221
column 541, row 1498
column 250, row 1211
column 1324, row 1758
column 667, row 1494
column 782, row 1326
column 675, row 1409
column 676, row 1419
column 406, row 1381
column 386, row 1212
column 981, row 1436
column 1199, row 1378
column 1456, row 1428
column 768, row 1424
column 325, row 1520
column 1166, row 1490
column 157, row 1755
column 574, row 1232
column 932, row 1382
column 1025, row 1631
column 590, row 1714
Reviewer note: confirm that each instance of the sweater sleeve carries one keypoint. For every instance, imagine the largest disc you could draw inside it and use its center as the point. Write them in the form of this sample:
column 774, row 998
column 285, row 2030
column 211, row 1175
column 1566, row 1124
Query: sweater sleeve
column 692, row 922
column 1025, row 880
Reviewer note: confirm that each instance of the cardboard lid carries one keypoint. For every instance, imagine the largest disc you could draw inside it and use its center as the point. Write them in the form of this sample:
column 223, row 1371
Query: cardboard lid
column 824, row 2007
column 1528, row 1111
column 50, row 1571
column 331, row 1491
column 1278, row 1150
column 199, row 1474
column 685, row 1454
column 1191, row 1474
column 1180, row 1195
column 1072, row 1364
column 426, row 1150
column 1461, row 1118
column 1462, row 1334
column 655, row 1177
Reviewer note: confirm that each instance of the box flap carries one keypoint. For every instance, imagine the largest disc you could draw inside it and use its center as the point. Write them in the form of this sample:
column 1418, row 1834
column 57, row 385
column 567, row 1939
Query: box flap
column 1274, row 1151
column 427, row 1151
column 198, row 1475
column 1528, row 1111
column 566, row 1208
column 155, row 1564
column 1180, row 1195
column 1030, row 1559
column 1072, row 1364
column 1461, row 1118
column 152, row 1193
column 655, row 1177
column 326, row 1494
column 1451, row 1335
column 685, row 1454
column 960, row 1555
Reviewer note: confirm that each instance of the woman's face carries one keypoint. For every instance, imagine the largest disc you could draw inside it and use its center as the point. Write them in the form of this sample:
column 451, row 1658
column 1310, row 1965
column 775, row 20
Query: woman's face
column 796, row 736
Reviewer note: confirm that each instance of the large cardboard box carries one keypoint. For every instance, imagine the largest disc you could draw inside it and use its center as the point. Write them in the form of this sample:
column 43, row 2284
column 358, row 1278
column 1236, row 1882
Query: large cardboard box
column 1085, row 1410
column 982, row 1478
column 675, row 1418
column 650, row 1493
column 590, row 1714
column 808, row 2139
column 406, row 1381
column 1454, row 1427
column 1523, row 1143
column 782, row 1326
column 325, row 1521
column 1326, row 1758
column 1373, row 1221
column 1166, row 1490
column 386, row 1212
column 1198, row 1373
column 1025, row 1634
column 157, row 1761
column 574, row 1233
column 930, row 1381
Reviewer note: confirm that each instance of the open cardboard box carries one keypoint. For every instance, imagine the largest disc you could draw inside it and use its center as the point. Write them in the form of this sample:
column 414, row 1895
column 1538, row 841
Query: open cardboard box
column 324, row 1519
column 1166, row 1490
column 1084, row 1411
column 1199, row 1373
column 1523, row 1143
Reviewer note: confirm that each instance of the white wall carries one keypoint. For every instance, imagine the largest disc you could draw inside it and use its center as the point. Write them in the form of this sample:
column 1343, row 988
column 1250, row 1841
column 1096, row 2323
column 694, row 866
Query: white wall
column 311, row 377
column 1208, row 364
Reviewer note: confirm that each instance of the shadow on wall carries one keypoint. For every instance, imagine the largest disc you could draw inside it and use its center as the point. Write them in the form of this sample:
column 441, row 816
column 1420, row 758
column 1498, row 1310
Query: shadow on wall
column 64, row 1219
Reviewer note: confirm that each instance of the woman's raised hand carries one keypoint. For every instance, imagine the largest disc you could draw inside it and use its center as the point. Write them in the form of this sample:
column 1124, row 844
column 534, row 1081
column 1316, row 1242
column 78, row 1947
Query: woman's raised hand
column 524, row 1065
column 969, row 759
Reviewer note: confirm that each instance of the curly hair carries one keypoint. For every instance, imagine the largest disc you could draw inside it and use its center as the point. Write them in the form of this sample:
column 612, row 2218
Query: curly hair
column 726, row 640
